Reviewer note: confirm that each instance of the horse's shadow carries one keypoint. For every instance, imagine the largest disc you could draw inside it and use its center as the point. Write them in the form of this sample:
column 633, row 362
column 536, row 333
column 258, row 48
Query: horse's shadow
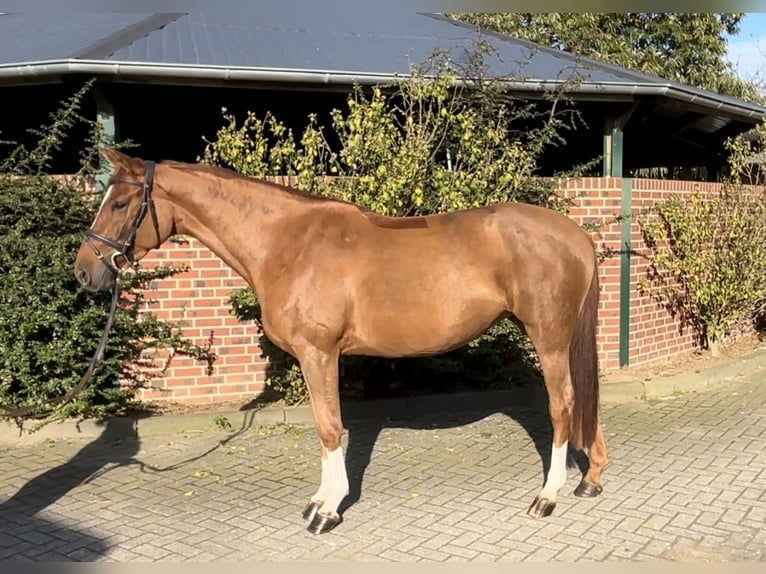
column 35, row 537
column 527, row 406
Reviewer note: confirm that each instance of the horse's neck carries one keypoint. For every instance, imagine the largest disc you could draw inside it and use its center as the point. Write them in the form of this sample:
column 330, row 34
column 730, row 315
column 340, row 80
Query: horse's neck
column 232, row 218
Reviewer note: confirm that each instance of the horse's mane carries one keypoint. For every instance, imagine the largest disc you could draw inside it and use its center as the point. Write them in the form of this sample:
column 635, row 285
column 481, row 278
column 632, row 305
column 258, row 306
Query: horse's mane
column 226, row 173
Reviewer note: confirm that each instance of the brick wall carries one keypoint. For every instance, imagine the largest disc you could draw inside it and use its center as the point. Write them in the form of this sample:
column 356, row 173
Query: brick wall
column 198, row 300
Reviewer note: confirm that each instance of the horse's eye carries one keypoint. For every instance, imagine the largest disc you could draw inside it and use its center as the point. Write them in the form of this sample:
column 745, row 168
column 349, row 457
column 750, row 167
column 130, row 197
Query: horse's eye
column 119, row 205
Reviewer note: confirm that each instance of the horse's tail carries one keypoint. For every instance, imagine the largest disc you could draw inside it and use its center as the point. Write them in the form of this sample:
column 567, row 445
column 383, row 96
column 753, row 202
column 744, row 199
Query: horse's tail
column 583, row 367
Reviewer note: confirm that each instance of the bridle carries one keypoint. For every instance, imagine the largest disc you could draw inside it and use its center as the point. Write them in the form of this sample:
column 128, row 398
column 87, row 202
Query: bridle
column 124, row 249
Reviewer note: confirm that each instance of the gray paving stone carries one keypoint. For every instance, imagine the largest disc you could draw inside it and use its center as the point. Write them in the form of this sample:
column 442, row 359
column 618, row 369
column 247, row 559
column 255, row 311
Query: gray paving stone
column 686, row 482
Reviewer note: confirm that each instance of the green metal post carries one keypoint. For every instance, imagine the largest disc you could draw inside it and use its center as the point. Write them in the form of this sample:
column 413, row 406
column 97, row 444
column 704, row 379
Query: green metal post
column 612, row 166
column 107, row 120
column 625, row 224
column 625, row 221
column 606, row 162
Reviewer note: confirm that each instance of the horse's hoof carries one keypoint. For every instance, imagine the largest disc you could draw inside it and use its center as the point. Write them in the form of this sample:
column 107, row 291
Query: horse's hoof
column 587, row 489
column 321, row 524
column 541, row 507
column 310, row 511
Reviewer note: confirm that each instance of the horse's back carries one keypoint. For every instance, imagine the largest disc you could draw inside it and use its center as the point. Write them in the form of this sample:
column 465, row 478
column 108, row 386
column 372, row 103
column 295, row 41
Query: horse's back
column 492, row 236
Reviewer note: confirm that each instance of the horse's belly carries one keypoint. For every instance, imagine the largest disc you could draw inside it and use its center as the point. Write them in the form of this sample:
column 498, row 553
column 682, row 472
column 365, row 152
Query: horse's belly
column 427, row 329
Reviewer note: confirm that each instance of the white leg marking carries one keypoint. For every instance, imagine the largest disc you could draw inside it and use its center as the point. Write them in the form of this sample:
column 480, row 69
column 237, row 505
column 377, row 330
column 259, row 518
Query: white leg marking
column 557, row 475
column 324, row 484
column 335, row 488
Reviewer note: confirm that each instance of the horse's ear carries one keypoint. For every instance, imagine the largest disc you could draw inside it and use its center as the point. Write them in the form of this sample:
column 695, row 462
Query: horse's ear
column 120, row 160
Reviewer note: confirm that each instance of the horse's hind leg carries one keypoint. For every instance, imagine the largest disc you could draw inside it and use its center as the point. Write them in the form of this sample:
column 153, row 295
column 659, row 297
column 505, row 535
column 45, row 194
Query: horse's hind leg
column 320, row 370
column 590, row 485
column 555, row 366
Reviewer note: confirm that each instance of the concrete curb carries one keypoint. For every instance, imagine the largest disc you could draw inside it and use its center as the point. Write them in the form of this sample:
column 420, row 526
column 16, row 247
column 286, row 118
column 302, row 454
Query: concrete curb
column 697, row 380
column 618, row 391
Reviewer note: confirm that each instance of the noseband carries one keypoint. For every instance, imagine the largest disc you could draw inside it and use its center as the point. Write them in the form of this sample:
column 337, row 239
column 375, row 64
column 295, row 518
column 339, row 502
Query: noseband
column 125, row 249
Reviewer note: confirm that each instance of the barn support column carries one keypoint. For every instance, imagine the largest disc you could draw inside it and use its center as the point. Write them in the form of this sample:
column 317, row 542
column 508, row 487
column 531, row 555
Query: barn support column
column 613, row 167
column 107, row 122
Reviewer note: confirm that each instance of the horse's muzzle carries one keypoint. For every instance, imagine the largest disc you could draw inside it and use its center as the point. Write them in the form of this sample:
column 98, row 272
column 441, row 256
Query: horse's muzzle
column 102, row 278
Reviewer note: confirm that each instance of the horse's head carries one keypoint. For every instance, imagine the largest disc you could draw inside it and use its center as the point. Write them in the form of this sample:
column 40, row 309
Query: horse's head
column 129, row 223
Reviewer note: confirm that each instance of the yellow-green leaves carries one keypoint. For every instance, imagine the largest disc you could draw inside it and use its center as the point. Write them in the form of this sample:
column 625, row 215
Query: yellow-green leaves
column 709, row 258
column 422, row 146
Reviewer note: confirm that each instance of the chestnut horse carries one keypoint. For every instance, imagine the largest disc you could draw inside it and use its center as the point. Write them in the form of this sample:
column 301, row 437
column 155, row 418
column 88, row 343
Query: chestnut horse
column 335, row 279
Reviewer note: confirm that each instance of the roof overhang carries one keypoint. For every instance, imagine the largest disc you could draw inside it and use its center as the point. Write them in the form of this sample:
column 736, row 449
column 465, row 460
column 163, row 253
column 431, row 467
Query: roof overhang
column 51, row 71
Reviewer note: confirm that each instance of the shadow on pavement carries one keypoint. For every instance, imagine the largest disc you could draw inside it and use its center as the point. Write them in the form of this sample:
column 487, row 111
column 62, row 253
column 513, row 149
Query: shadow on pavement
column 25, row 535
column 528, row 407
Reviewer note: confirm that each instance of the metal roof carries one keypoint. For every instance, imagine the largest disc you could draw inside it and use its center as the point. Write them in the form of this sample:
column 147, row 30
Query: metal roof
column 309, row 42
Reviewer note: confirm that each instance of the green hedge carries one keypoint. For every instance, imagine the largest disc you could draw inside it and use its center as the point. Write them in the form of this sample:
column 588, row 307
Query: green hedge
column 49, row 325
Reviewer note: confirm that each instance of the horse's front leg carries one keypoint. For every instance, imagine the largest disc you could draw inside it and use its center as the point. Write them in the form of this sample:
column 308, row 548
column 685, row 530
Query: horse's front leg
column 320, row 370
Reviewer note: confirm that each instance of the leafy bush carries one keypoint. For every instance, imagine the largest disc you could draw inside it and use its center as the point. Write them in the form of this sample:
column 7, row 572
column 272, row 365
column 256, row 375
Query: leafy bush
column 427, row 147
column 429, row 144
column 709, row 252
column 49, row 326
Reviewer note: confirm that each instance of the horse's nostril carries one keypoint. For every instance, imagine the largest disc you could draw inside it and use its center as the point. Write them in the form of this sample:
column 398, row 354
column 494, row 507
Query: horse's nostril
column 83, row 276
